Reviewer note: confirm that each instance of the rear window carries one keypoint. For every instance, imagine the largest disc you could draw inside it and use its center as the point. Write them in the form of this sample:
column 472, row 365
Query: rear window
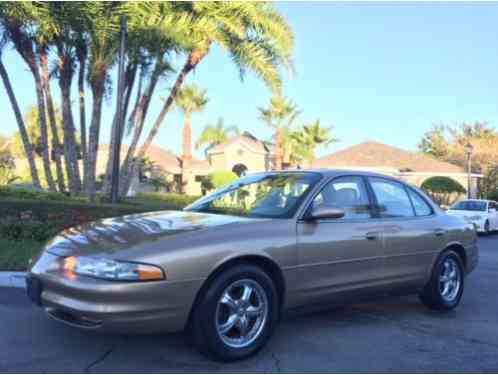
column 469, row 206
column 421, row 207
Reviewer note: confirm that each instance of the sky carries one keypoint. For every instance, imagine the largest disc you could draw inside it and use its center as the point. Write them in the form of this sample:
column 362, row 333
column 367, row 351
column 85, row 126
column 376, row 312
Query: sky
column 374, row 71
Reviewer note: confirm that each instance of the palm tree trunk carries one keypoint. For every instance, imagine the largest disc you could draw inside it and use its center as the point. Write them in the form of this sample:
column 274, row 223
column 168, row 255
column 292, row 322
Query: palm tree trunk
column 81, row 55
column 94, row 134
column 56, row 146
column 193, row 59
column 187, row 151
column 43, row 128
column 70, row 147
column 28, row 149
column 278, row 149
column 130, row 75
column 139, row 115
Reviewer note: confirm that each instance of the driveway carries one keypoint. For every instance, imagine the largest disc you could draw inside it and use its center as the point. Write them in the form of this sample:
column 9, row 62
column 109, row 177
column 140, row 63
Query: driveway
column 393, row 335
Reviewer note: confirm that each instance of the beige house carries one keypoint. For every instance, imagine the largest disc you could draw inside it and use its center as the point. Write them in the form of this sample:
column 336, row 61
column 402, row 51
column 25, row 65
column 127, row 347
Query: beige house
column 409, row 166
column 247, row 154
column 241, row 155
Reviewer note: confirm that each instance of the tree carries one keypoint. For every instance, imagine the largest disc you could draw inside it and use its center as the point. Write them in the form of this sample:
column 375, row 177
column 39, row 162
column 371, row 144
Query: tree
column 442, row 189
column 434, row 142
column 217, row 180
column 308, row 138
column 449, row 144
column 31, row 119
column 215, row 134
column 190, row 99
column 7, row 168
column 279, row 115
column 20, row 29
column 28, row 148
column 255, row 35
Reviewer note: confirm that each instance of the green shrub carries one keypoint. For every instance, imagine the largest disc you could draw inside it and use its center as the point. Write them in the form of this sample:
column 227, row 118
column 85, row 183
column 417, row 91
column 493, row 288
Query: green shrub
column 442, row 189
column 41, row 219
column 440, row 184
column 163, row 201
column 218, row 179
column 12, row 228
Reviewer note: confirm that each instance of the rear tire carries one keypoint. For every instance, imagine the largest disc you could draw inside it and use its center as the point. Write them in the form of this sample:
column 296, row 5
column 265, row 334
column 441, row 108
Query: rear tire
column 444, row 290
column 487, row 231
column 243, row 298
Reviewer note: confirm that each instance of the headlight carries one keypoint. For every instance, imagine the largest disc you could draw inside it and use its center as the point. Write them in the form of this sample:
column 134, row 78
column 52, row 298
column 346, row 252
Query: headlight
column 477, row 217
column 109, row 269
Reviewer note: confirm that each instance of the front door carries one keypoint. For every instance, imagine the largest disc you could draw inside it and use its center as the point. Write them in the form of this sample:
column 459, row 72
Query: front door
column 340, row 255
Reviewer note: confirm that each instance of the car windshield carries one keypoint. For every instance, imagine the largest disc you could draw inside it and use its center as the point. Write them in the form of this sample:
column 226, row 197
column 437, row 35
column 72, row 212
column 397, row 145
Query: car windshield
column 270, row 195
column 470, row 206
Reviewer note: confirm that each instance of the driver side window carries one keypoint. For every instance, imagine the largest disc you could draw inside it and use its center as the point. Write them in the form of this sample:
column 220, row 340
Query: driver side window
column 347, row 193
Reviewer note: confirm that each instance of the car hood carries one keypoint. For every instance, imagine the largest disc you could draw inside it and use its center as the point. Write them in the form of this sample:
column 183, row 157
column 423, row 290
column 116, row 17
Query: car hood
column 111, row 235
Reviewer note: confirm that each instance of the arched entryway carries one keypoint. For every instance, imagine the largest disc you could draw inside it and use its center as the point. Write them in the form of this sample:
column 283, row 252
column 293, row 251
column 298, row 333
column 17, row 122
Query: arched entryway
column 240, row 169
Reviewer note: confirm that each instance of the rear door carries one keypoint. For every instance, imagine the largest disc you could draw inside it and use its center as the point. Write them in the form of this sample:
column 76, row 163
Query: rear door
column 411, row 231
column 340, row 255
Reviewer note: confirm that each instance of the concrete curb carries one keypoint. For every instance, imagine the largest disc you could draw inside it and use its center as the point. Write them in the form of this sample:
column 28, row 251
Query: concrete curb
column 12, row 279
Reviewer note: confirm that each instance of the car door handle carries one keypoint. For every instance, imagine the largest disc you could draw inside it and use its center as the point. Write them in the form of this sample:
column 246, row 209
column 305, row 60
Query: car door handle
column 439, row 232
column 372, row 235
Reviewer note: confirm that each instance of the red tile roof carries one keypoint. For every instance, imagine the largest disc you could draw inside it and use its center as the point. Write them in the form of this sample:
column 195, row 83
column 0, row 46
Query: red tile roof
column 377, row 155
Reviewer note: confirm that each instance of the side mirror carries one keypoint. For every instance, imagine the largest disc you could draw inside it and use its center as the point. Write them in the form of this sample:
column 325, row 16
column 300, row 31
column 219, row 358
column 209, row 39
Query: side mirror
column 326, row 212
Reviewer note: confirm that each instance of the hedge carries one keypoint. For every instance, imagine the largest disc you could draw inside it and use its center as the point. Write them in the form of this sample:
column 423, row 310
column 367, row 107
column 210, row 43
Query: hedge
column 40, row 220
column 16, row 193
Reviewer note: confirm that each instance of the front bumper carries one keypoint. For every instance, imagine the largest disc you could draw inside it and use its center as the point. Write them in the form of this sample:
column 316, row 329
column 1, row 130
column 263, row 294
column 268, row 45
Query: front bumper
column 109, row 306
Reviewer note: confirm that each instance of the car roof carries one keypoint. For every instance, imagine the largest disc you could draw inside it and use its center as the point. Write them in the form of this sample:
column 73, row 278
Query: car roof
column 333, row 172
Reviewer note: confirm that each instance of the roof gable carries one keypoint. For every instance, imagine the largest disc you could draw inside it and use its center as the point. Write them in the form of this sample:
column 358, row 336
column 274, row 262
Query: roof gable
column 245, row 140
column 377, row 155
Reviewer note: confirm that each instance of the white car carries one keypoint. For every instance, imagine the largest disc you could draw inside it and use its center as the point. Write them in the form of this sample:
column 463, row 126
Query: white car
column 482, row 213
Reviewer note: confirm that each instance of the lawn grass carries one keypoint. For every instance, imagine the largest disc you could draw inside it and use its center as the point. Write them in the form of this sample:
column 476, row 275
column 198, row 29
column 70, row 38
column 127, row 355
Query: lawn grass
column 15, row 255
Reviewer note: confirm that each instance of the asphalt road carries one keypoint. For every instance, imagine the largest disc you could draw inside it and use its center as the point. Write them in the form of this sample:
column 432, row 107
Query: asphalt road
column 392, row 335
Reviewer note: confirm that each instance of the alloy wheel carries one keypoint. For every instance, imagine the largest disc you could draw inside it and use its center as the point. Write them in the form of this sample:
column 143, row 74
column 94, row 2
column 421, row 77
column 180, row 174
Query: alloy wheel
column 450, row 280
column 241, row 313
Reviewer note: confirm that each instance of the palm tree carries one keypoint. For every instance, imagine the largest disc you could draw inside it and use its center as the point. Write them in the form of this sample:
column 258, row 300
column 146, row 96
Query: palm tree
column 18, row 24
column 190, row 99
column 28, row 147
column 254, row 33
column 308, row 138
column 280, row 114
column 213, row 135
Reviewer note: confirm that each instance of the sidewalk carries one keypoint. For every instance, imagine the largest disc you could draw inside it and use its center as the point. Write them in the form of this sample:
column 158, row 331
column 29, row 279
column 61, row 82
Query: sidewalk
column 12, row 279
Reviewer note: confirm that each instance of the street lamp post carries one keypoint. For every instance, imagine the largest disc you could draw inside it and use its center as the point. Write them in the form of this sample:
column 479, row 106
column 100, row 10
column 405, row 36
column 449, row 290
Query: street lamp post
column 468, row 150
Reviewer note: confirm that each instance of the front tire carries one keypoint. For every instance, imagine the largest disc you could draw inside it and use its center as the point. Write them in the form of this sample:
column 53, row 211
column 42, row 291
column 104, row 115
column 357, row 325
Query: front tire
column 444, row 290
column 236, row 314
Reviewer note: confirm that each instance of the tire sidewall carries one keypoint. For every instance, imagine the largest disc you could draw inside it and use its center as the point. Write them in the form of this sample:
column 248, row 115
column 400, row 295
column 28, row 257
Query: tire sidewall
column 206, row 312
column 446, row 305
